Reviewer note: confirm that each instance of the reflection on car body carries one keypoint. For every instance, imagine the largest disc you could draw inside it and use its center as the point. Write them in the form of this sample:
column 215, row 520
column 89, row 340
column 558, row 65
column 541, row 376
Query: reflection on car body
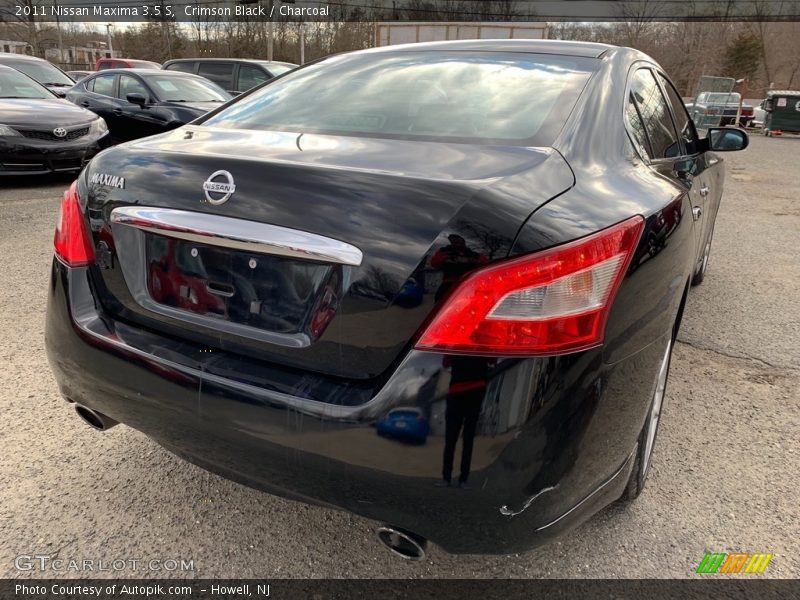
column 140, row 102
column 41, row 133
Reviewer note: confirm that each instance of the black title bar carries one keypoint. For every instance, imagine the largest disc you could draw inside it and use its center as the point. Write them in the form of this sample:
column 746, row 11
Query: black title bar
column 28, row 11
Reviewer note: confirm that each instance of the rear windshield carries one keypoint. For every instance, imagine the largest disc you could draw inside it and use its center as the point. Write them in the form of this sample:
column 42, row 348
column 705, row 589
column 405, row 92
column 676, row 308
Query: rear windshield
column 723, row 98
column 487, row 97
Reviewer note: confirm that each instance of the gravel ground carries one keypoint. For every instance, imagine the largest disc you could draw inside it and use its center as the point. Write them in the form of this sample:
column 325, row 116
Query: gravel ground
column 725, row 475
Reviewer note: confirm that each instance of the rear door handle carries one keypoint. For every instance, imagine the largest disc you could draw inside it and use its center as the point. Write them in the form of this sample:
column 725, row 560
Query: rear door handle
column 704, row 191
column 118, row 112
column 84, row 103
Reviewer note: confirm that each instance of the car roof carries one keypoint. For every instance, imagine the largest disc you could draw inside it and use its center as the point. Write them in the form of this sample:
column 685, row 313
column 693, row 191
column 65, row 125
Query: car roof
column 245, row 60
column 566, row 48
column 12, row 55
column 146, row 72
column 783, row 93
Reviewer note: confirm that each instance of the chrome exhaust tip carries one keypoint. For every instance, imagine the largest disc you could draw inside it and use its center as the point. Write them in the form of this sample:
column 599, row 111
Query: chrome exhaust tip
column 403, row 543
column 95, row 419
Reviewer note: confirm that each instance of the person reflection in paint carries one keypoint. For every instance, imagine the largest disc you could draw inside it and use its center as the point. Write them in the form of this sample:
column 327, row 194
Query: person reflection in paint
column 454, row 261
column 468, row 377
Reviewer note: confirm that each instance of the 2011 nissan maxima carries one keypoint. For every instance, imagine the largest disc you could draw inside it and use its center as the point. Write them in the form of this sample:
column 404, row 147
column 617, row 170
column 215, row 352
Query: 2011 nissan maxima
column 495, row 238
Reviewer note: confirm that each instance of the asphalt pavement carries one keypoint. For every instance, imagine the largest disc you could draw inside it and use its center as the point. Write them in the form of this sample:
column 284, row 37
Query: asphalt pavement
column 725, row 472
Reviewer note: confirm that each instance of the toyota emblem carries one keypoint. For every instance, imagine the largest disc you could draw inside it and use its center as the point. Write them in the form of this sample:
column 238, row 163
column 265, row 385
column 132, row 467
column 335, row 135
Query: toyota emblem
column 59, row 132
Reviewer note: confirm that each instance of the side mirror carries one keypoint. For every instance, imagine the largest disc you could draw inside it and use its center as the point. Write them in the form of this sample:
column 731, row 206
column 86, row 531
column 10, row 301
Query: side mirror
column 136, row 98
column 727, row 139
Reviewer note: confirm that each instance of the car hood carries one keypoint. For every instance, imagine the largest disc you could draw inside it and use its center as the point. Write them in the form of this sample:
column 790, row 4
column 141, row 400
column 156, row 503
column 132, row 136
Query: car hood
column 43, row 113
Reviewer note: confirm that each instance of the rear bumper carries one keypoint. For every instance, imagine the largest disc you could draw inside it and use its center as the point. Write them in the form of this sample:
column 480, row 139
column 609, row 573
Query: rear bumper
column 25, row 156
column 553, row 442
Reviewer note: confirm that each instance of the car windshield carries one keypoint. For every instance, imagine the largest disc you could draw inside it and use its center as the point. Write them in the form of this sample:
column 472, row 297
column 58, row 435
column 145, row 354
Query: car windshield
column 723, row 98
column 491, row 97
column 17, row 85
column 41, row 71
column 171, row 88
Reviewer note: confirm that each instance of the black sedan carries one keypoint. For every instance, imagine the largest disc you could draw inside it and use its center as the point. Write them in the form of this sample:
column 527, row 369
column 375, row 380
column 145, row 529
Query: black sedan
column 498, row 236
column 140, row 102
column 41, row 133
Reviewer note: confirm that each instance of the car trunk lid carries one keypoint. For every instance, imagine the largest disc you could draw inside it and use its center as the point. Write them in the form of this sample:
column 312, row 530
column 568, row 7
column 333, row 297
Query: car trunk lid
column 391, row 204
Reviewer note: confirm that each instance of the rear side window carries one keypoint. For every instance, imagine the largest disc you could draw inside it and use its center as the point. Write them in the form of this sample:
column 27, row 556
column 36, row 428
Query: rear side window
column 636, row 129
column 218, row 72
column 654, row 113
column 103, row 85
column 104, row 64
column 250, row 77
column 183, row 67
column 491, row 97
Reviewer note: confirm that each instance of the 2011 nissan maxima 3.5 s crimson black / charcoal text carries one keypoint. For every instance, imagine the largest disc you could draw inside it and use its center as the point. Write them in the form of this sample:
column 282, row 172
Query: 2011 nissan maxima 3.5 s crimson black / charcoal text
column 483, row 246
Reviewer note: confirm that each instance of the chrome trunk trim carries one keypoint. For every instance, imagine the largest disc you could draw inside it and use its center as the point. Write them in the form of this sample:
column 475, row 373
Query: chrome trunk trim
column 238, row 234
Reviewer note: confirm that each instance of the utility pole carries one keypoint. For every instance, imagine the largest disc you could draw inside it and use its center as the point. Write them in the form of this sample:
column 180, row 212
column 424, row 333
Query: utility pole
column 108, row 38
column 302, row 43
column 742, row 93
column 166, row 22
column 270, row 31
column 58, row 27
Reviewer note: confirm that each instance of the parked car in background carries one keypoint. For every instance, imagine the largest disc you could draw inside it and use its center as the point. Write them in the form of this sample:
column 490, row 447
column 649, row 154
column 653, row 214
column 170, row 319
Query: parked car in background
column 78, row 75
column 407, row 424
column 140, row 102
column 304, row 206
column 781, row 112
column 41, row 133
column 49, row 75
column 125, row 63
column 719, row 108
column 759, row 115
column 236, row 75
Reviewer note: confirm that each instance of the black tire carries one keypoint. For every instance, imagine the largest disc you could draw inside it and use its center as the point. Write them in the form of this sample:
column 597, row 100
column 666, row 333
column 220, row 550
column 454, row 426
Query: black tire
column 644, row 451
column 700, row 275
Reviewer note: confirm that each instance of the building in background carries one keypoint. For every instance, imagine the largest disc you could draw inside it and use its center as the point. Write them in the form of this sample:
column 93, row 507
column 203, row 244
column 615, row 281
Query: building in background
column 15, row 47
column 79, row 57
column 387, row 34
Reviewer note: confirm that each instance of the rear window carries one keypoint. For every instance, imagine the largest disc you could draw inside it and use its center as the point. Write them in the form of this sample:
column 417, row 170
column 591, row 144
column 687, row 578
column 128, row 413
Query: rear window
column 490, row 97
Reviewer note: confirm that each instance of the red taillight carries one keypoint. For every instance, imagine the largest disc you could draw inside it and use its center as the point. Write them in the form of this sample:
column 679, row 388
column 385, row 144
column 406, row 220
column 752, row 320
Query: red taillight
column 72, row 242
column 549, row 302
